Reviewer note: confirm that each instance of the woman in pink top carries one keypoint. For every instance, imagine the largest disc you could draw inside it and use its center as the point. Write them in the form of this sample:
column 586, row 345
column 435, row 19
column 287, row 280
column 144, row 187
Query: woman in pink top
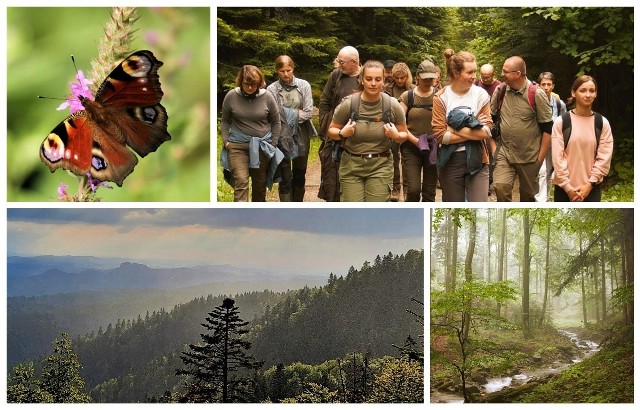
column 581, row 166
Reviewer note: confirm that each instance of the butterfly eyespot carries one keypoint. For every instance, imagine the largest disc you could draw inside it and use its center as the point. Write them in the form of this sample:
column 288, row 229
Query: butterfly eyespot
column 53, row 148
column 137, row 66
column 149, row 114
column 98, row 163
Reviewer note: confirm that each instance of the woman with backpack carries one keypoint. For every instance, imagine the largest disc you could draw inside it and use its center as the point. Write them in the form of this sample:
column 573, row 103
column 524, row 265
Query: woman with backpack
column 581, row 147
column 462, row 124
column 419, row 151
column 365, row 123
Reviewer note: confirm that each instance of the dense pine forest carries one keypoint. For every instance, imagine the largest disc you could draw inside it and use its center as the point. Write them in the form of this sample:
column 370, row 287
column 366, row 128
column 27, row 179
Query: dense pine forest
column 355, row 339
column 566, row 41
column 532, row 305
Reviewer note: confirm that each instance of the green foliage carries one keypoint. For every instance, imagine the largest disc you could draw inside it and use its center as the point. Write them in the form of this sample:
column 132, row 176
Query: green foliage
column 581, row 27
column 40, row 41
column 316, row 393
column 24, row 387
column 471, row 299
column 59, row 380
column 622, row 296
column 401, row 381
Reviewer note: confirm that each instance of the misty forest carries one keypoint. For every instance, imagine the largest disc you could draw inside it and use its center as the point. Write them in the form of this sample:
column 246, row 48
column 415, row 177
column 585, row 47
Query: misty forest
column 358, row 337
column 531, row 305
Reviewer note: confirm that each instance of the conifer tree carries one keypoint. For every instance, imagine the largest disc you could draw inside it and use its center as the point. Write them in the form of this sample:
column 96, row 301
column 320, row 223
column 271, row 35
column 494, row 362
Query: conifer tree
column 61, row 374
column 23, row 386
column 215, row 365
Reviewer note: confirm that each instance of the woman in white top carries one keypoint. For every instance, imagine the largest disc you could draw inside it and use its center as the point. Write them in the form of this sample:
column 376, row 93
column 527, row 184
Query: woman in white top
column 462, row 125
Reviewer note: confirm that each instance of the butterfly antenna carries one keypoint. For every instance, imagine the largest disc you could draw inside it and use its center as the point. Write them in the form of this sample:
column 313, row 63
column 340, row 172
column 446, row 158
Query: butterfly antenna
column 73, row 59
column 52, row 98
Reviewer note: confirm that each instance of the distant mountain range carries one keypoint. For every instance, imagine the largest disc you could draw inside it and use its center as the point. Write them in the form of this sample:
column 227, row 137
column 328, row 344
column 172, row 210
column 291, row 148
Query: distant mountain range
column 48, row 275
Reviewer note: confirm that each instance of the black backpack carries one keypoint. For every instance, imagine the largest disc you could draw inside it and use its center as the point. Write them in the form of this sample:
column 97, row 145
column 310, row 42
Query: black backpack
column 566, row 127
column 411, row 99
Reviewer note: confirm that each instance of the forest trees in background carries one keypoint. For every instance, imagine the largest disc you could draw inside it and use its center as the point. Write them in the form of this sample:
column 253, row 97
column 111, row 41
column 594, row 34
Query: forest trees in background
column 548, row 253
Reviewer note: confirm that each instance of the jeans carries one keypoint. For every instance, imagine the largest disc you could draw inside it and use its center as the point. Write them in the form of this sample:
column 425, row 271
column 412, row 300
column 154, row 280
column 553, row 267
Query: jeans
column 239, row 164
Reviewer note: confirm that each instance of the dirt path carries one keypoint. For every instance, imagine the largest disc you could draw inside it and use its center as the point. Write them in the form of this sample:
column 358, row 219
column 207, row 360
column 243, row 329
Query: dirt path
column 313, row 184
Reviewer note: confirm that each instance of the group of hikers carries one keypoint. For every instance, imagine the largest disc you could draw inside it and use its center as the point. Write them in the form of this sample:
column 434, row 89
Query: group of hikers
column 385, row 135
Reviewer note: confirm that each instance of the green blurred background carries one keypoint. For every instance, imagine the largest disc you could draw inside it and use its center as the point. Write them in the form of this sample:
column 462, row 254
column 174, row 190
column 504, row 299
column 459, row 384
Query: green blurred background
column 40, row 42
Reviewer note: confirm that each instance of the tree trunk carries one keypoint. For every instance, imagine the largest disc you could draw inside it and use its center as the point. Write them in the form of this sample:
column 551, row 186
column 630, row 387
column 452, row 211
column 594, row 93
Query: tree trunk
column 603, row 281
column 526, row 266
column 627, row 224
column 454, row 257
column 596, row 300
column 488, row 257
column 501, row 252
column 546, row 277
column 468, row 266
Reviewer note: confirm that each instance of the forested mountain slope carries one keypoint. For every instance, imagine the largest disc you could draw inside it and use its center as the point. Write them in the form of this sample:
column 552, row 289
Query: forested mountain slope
column 364, row 311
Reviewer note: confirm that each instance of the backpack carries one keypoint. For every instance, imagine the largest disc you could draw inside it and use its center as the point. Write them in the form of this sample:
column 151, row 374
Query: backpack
column 410, row 102
column 531, row 95
column 386, row 109
column 502, row 90
column 566, row 127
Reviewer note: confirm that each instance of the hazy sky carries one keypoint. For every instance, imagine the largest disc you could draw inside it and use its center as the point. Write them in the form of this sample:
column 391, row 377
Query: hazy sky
column 308, row 241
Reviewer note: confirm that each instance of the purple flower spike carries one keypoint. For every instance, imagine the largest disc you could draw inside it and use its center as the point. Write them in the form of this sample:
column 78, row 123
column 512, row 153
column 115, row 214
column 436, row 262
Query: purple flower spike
column 77, row 89
column 62, row 192
column 96, row 183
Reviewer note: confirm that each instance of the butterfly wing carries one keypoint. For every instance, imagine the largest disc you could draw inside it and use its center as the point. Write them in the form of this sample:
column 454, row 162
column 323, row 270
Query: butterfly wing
column 81, row 146
column 133, row 89
column 68, row 145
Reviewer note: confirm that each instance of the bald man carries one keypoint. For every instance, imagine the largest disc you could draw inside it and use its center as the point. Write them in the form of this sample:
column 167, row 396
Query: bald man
column 487, row 79
column 525, row 133
column 343, row 81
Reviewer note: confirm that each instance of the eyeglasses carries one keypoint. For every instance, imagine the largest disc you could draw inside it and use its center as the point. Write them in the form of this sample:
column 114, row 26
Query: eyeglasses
column 512, row 71
column 343, row 62
column 249, row 85
column 486, row 77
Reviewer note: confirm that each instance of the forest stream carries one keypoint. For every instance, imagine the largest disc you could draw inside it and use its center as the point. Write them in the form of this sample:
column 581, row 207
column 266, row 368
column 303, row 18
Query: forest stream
column 496, row 384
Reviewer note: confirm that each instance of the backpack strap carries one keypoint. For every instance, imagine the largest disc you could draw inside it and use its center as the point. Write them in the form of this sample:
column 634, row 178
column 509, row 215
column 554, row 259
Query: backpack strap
column 566, row 127
column 355, row 108
column 501, row 90
column 531, row 94
column 411, row 97
column 386, row 108
column 598, row 124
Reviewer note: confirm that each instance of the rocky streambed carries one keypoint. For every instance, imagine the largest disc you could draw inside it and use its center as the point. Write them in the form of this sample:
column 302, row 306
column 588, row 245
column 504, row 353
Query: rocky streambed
column 501, row 387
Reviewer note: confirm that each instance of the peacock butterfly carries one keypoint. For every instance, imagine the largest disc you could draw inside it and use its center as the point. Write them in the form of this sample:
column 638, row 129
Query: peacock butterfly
column 126, row 111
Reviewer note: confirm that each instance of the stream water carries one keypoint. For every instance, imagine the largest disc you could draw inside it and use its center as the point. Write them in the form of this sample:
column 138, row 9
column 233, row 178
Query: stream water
column 587, row 348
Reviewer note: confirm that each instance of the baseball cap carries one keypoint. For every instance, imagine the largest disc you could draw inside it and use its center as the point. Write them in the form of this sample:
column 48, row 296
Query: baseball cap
column 427, row 69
